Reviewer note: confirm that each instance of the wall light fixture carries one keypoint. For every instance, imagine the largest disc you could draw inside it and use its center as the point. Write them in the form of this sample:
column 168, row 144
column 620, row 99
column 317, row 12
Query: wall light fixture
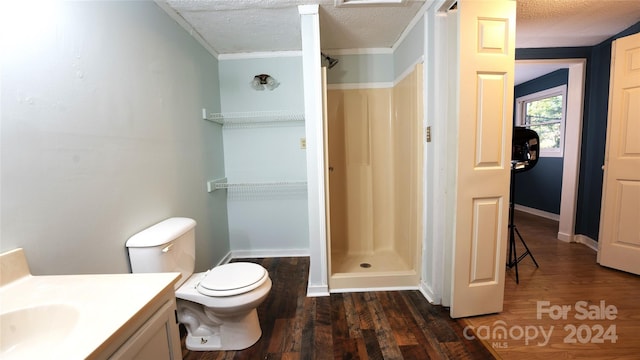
column 261, row 81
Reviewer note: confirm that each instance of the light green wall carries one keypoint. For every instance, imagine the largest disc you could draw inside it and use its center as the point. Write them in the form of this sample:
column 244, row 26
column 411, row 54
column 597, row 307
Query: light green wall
column 102, row 136
column 236, row 93
column 410, row 49
column 268, row 220
column 361, row 68
column 379, row 68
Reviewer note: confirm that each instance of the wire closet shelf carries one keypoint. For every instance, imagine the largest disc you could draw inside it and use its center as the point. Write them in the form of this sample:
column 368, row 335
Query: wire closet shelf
column 256, row 186
column 256, row 118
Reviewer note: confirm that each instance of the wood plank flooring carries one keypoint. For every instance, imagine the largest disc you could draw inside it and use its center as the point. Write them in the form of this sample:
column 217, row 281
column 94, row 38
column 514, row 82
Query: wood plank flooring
column 403, row 325
column 568, row 274
column 366, row 325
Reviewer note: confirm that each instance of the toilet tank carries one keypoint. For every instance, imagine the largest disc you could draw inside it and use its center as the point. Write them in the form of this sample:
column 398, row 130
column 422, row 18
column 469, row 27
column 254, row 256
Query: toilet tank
column 168, row 246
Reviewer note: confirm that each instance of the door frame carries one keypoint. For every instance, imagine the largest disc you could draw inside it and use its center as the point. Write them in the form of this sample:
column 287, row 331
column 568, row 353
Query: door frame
column 572, row 146
column 436, row 279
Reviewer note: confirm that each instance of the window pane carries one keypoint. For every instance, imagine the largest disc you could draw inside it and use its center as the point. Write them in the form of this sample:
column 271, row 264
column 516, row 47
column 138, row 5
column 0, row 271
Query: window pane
column 544, row 110
column 549, row 135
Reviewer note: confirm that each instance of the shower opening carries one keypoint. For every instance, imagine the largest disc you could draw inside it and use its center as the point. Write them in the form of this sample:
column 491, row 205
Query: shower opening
column 374, row 168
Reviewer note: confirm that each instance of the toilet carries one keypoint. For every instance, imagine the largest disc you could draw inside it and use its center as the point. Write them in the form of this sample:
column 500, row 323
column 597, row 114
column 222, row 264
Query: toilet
column 217, row 307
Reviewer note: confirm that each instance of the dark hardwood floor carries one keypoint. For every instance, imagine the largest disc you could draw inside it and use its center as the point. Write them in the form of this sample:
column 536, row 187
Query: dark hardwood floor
column 366, row 325
column 403, row 325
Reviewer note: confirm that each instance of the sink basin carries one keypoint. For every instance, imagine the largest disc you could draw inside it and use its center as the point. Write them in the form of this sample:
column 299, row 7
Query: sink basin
column 73, row 316
column 30, row 332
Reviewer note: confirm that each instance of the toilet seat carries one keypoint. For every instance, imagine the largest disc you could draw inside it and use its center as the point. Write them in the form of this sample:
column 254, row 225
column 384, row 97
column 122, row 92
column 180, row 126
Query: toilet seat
column 232, row 279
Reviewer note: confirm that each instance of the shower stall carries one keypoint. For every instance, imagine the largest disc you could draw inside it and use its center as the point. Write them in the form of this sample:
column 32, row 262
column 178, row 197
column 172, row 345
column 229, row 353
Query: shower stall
column 374, row 187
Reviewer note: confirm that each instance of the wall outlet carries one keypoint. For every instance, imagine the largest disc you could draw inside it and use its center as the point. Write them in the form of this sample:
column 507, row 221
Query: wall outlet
column 303, row 143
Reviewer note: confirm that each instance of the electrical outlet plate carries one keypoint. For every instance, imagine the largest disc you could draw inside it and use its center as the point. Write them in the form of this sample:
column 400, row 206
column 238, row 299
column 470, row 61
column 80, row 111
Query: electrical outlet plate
column 303, row 143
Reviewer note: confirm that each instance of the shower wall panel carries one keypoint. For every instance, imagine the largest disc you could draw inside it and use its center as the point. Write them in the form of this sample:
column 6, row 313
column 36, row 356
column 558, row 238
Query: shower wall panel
column 407, row 160
column 360, row 177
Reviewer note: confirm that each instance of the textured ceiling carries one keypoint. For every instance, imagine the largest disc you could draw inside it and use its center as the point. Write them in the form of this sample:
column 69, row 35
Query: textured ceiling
column 241, row 26
column 364, row 27
column 566, row 23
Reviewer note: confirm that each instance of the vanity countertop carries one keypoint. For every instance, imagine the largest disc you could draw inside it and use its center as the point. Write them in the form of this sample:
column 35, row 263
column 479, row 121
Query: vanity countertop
column 92, row 310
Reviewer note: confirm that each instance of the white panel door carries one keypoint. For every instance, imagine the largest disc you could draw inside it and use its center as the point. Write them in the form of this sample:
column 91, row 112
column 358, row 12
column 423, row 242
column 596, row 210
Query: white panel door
column 486, row 58
column 619, row 238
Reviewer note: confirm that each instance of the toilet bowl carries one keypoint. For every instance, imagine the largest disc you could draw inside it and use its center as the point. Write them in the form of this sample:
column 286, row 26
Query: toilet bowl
column 217, row 307
column 225, row 317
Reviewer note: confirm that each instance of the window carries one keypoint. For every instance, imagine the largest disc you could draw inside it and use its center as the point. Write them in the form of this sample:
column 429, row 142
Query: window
column 544, row 113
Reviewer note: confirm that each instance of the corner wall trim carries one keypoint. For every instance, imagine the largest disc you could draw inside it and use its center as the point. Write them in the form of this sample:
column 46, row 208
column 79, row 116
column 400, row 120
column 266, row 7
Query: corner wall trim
column 317, row 290
column 428, row 293
column 565, row 237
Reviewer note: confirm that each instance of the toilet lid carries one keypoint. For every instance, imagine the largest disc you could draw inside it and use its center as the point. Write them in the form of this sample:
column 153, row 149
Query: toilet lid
column 232, row 279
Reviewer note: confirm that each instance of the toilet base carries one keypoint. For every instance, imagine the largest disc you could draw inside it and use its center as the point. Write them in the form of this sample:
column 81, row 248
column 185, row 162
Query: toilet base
column 235, row 333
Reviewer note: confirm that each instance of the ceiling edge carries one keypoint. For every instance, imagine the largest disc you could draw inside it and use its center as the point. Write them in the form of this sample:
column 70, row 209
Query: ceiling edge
column 361, row 51
column 412, row 23
column 260, row 55
column 302, row 9
column 162, row 4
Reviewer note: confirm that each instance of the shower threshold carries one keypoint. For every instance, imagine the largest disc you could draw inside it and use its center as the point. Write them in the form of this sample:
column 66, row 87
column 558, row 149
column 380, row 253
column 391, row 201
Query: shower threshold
column 382, row 270
column 379, row 261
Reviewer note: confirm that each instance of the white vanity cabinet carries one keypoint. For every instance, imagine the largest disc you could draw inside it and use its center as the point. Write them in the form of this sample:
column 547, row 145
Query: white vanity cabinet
column 151, row 334
column 157, row 338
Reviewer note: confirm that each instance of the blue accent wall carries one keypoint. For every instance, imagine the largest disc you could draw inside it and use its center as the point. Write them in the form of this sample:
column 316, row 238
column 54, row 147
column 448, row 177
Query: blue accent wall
column 594, row 126
column 540, row 188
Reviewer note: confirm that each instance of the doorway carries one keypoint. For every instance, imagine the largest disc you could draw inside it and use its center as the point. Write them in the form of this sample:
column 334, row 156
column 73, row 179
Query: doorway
column 572, row 141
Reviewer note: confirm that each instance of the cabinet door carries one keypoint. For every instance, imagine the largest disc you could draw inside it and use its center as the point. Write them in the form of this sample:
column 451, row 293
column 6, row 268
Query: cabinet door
column 157, row 339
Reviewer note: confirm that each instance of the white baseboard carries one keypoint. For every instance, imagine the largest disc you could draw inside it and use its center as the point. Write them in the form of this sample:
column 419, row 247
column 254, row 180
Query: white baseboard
column 565, row 237
column 225, row 259
column 587, row 241
column 317, row 290
column 428, row 293
column 541, row 213
column 243, row 254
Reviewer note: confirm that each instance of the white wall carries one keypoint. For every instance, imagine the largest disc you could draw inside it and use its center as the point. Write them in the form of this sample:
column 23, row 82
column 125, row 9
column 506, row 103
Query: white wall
column 266, row 221
column 102, row 135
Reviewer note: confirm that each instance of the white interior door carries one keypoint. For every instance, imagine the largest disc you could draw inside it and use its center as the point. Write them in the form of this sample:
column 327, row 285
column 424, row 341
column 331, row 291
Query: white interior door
column 619, row 238
column 484, row 105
